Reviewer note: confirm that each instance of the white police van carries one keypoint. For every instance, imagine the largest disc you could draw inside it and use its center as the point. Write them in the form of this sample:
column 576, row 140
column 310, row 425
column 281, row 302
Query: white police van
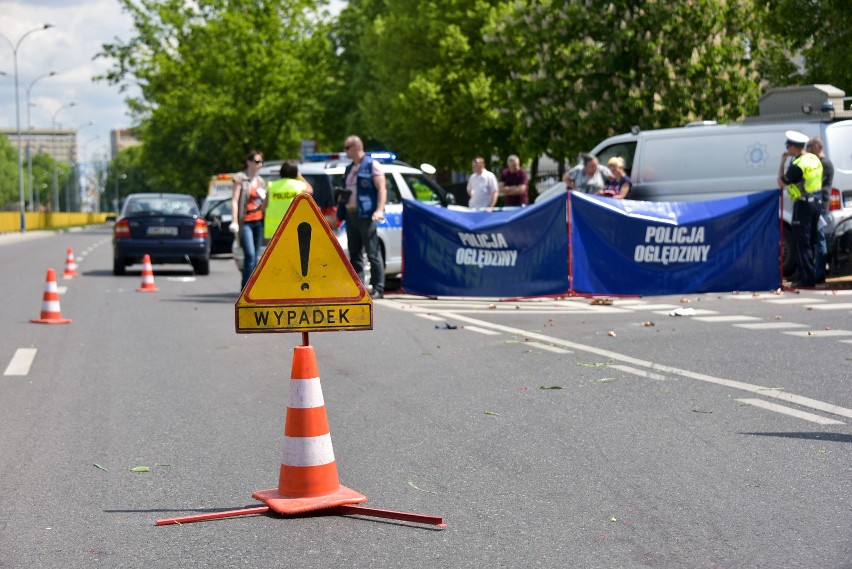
column 707, row 161
column 403, row 182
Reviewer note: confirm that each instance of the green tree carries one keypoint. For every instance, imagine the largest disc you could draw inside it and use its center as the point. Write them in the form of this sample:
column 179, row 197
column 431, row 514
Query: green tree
column 124, row 176
column 419, row 78
column 218, row 79
column 820, row 31
column 9, row 198
column 577, row 75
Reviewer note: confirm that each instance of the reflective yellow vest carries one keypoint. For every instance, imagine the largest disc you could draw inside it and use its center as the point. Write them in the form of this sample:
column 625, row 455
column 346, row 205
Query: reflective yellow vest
column 811, row 175
column 281, row 195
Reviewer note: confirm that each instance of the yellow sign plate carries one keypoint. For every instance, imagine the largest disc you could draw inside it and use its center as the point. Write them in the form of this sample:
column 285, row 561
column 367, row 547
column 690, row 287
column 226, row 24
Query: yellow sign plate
column 303, row 282
column 301, row 318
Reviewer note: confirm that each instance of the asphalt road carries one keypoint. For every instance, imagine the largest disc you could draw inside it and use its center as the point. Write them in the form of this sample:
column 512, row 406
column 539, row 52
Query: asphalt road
column 546, row 433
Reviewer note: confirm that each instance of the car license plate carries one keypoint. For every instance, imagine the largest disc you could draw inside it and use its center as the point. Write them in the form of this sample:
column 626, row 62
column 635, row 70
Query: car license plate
column 162, row 230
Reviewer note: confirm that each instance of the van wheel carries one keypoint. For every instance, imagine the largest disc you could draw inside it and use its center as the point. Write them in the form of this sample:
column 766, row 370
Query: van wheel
column 788, row 257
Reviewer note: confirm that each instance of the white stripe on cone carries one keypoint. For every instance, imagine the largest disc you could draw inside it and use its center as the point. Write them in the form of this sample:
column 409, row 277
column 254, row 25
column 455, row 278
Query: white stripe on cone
column 306, row 394
column 307, row 451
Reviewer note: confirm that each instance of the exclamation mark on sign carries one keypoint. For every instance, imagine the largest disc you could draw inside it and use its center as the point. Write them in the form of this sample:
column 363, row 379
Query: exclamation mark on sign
column 304, row 231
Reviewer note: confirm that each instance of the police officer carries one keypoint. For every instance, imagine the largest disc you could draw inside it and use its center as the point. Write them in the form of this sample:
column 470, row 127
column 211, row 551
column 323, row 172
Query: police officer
column 365, row 208
column 803, row 180
column 282, row 192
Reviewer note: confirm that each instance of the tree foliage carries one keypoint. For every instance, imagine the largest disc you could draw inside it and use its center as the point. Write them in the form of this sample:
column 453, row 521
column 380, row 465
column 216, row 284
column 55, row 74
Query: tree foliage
column 578, row 75
column 819, row 31
column 419, row 77
column 9, row 191
column 218, row 79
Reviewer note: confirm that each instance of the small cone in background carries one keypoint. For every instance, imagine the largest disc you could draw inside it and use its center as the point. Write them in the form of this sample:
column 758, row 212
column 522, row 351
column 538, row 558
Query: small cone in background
column 70, row 265
column 147, row 276
column 307, row 479
column 50, row 312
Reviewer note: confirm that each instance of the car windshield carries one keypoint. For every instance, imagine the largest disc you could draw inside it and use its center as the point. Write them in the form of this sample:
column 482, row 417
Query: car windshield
column 424, row 189
column 161, row 206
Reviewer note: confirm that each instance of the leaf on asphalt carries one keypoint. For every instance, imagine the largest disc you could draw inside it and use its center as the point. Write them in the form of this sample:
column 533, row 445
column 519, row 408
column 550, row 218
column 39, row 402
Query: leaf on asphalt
column 550, row 387
column 613, row 519
column 492, row 413
column 410, row 483
column 141, row 469
column 611, row 334
column 98, row 466
column 606, row 379
column 594, row 364
column 702, row 411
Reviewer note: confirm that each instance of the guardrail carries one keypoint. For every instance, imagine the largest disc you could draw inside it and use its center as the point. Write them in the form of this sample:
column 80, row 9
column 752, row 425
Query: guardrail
column 11, row 220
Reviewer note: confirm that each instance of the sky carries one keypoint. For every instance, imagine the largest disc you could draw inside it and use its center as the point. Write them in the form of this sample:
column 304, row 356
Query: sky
column 81, row 27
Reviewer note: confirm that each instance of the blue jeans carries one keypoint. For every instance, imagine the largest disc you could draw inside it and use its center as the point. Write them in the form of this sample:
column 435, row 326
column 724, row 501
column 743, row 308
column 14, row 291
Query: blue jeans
column 251, row 240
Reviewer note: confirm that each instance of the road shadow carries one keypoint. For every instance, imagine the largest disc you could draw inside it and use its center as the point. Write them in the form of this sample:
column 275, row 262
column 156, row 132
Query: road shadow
column 829, row 437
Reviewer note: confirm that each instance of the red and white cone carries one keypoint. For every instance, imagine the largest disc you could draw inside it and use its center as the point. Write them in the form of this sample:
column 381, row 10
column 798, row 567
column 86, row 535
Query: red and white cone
column 50, row 312
column 307, row 479
column 147, row 276
column 70, row 265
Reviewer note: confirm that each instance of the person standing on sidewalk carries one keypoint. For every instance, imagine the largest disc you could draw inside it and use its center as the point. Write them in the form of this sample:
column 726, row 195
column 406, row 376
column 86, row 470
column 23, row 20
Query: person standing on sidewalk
column 482, row 186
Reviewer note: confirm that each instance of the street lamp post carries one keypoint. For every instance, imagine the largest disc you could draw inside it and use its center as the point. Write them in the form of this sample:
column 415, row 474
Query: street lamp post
column 15, row 47
column 55, row 169
column 29, row 139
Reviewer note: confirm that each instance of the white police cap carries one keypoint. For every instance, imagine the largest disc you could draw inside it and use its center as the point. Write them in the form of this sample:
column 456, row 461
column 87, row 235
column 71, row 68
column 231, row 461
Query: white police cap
column 796, row 138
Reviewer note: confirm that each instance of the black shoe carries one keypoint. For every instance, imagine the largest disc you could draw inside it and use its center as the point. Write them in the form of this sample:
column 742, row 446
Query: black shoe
column 377, row 294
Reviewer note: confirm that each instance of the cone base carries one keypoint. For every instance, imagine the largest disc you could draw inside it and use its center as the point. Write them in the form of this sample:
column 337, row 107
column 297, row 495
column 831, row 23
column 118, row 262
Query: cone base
column 69, row 275
column 50, row 320
column 154, row 289
column 281, row 504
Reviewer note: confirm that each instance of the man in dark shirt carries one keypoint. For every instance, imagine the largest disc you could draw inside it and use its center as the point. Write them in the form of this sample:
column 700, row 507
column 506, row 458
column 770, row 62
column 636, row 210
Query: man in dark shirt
column 815, row 146
column 513, row 183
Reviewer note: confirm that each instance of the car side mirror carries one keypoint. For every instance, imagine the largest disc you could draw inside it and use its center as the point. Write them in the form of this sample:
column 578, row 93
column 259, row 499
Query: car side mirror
column 449, row 199
column 110, row 218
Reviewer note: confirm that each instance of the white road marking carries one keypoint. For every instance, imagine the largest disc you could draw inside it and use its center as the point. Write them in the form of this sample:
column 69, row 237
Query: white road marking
column 792, row 412
column 640, row 372
column 21, row 362
column 820, row 333
column 733, row 318
column 653, row 307
column 797, row 300
column 838, row 306
column 545, row 347
column 742, row 386
column 771, row 326
column 430, row 317
column 698, row 312
column 61, row 289
column 482, row 330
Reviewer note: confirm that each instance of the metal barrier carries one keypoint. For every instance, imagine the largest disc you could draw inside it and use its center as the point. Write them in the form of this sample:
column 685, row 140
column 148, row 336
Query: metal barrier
column 11, row 220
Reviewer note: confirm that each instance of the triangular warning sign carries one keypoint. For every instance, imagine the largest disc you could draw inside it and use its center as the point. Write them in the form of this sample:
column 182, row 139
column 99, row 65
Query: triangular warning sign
column 304, row 281
column 303, row 263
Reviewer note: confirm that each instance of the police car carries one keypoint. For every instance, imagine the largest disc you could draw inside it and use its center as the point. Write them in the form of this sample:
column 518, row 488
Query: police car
column 403, row 182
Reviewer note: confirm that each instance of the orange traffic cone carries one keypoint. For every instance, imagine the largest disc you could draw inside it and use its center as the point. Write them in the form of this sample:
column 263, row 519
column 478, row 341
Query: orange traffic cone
column 50, row 312
column 147, row 276
column 70, row 265
column 307, row 479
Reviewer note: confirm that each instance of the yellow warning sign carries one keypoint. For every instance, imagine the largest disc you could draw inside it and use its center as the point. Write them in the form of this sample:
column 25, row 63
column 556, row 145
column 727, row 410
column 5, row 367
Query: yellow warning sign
column 304, row 281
